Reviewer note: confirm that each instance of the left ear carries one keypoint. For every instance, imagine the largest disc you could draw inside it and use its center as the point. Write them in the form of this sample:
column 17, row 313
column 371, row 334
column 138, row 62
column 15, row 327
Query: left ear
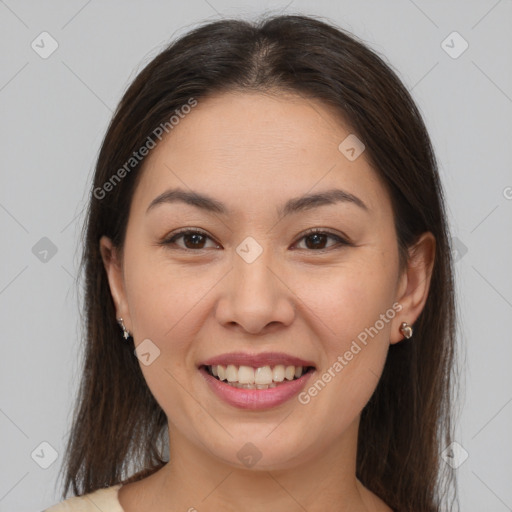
column 414, row 283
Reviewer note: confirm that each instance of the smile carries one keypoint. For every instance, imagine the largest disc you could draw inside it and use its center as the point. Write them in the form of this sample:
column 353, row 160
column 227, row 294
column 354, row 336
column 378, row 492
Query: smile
column 253, row 396
column 263, row 377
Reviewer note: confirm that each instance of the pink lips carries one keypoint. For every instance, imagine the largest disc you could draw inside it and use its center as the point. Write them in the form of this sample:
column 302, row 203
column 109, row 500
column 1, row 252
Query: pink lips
column 256, row 399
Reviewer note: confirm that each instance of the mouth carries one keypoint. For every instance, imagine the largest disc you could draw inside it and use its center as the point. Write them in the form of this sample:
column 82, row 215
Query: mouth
column 260, row 378
column 256, row 381
column 256, row 389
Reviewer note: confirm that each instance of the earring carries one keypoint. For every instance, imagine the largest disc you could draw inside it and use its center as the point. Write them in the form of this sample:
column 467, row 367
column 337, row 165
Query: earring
column 126, row 333
column 406, row 329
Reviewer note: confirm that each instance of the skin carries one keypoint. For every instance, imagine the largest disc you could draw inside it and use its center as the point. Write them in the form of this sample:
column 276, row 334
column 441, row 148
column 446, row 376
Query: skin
column 253, row 152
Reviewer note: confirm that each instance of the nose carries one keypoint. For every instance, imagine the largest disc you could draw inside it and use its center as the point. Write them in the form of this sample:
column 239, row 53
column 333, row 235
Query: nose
column 255, row 297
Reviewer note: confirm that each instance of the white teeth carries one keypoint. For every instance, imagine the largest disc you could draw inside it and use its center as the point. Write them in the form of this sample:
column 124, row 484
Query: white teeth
column 231, row 373
column 252, row 386
column 248, row 377
column 289, row 372
column 278, row 374
column 263, row 375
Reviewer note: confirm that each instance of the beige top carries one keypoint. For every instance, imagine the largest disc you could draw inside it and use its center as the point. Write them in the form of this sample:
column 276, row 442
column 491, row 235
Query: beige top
column 102, row 499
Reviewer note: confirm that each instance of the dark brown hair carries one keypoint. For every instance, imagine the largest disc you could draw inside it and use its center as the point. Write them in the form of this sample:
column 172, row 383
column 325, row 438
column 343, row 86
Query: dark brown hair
column 118, row 427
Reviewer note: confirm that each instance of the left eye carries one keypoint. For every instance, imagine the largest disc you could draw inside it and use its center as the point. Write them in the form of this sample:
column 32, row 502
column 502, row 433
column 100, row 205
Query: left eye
column 318, row 239
column 194, row 239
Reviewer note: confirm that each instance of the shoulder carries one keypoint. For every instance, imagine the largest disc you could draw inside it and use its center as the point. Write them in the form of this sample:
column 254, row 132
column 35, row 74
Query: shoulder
column 104, row 499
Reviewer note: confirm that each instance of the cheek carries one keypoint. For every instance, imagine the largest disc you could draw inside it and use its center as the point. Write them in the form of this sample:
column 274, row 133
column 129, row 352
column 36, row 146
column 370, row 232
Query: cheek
column 354, row 311
column 349, row 298
column 163, row 296
column 164, row 303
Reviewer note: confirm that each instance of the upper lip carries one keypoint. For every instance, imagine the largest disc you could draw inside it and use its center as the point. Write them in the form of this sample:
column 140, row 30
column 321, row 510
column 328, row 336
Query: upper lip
column 256, row 360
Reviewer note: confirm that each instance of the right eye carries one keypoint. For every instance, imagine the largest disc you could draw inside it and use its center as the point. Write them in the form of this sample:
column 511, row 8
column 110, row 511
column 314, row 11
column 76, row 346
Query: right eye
column 193, row 239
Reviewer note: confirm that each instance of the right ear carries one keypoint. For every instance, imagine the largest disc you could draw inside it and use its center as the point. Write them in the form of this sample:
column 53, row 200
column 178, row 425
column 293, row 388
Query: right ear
column 113, row 267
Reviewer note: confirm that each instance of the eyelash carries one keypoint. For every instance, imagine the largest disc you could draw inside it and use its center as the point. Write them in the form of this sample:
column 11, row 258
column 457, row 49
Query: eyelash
column 341, row 241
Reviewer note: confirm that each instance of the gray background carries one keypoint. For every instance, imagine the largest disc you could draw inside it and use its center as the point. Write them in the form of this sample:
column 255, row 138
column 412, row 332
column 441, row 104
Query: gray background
column 55, row 112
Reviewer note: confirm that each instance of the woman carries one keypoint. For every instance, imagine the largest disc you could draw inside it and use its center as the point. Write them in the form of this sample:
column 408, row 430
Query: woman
column 267, row 230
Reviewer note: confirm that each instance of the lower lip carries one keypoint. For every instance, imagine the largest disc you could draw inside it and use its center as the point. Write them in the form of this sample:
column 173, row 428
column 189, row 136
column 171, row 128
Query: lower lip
column 256, row 398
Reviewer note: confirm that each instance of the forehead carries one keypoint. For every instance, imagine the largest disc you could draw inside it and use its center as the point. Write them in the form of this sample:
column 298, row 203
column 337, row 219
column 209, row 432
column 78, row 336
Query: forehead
column 259, row 125
column 233, row 145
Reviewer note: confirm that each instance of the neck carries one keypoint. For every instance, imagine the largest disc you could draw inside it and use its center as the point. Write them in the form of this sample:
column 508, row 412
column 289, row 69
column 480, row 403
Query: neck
column 195, row 480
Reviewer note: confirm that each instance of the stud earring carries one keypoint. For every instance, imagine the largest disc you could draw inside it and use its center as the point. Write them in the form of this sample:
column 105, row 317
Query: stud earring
column 126, row 332
column 406, row 329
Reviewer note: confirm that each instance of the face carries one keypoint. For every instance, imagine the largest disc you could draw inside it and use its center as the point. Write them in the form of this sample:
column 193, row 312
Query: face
column 252, row 285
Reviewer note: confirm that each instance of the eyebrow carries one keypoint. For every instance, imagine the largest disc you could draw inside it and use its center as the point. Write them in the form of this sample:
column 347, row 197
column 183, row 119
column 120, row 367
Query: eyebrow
column 294, row 205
